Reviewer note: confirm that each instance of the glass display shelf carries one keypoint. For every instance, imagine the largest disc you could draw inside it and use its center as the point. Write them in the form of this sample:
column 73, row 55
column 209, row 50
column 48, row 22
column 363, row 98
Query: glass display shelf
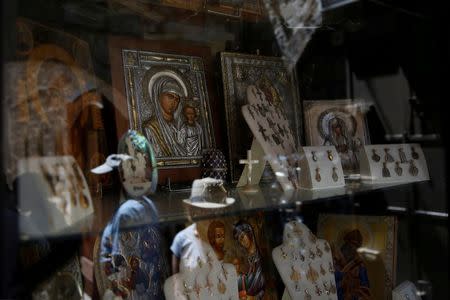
column 354, row 198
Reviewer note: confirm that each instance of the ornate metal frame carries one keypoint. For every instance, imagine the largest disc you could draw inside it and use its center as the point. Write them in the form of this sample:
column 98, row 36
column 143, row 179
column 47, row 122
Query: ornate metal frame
column 234, row 90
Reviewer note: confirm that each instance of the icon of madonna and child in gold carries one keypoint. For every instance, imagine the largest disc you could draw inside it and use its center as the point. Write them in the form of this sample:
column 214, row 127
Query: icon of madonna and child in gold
column 168, row 103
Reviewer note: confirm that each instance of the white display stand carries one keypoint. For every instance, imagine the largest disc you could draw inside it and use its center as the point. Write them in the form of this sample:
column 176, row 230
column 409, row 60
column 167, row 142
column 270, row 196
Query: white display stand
column 393, row 163
column 56, row 198
column 305, row 264
column 405, row 291
column 317, row 167
column 202, row 276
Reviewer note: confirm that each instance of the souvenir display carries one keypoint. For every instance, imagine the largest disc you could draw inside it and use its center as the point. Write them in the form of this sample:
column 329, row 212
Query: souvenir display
column 294, row 22
column 279, row 86
column 405, row 291
column 398, row 163
column 54, row 192
column 214, row 164
column 202, row 276
column 321, row 168
column 339, row 123
column 239, row 241
column 50, row 93
column 364, row 254
column 128, row 259
column 271, row 129
column 305, row 264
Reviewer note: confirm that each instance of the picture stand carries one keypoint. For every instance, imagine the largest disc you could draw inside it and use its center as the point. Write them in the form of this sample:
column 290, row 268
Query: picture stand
column 321, row 168
column 392, row 163
column 252, row 173
column 305, row 264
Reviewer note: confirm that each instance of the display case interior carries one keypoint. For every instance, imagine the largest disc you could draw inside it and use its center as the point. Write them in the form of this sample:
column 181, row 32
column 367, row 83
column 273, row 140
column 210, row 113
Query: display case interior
column 163, row 149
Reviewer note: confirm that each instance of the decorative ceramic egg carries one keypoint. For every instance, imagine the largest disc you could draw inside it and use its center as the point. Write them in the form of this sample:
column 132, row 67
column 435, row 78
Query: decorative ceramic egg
column 214, row 164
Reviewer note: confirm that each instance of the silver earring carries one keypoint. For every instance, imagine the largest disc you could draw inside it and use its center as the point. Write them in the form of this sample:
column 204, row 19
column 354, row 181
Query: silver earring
column 413, row 169
column 386, row 172
column 334, row 175
column 398, row 169
column 402, row 155
column 388, row 157
column 375, row 156
column 414, row 154
column 318, row 178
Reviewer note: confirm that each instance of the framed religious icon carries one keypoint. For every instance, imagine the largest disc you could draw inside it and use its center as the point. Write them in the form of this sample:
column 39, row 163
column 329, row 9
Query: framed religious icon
column 280, row 88
column 339, row 123
column 165, row 96
column 364, row 254
column 240, row 241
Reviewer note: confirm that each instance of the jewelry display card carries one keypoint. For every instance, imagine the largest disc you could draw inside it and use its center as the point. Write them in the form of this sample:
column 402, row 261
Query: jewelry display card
column 321, row 168
column 209, row 280
column 305, row 264
column 339, row 123
column 240, row 241
column 271, row 129
column 393, row 163
column 53, row 194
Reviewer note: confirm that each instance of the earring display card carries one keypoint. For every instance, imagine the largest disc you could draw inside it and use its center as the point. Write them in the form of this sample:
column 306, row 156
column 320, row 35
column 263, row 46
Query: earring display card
column 271, row 129
column 321, row 168
column 305, row 264
column 203, row 276
column 393, row 163
column 54, row 193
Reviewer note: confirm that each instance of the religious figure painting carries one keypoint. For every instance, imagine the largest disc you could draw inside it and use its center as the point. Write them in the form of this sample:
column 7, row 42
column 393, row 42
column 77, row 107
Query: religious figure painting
column 280, row 88
column 364, row 251
column 339, row 123
column 168, row 102
column 241, row 242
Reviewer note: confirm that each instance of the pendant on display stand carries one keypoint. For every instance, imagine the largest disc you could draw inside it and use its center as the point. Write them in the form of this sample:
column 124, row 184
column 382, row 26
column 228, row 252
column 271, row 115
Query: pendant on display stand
column 385, row 171
column 398, row 169
column 388, row 157
column 375, row 156
column 402, row 155
column 413, row 169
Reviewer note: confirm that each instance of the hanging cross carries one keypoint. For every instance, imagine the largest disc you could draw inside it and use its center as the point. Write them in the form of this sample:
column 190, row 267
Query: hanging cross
column 250, row 162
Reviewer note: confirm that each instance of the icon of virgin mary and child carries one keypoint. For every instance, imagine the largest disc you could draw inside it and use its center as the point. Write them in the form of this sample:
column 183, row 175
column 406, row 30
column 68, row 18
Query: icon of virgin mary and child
column 173, row 129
